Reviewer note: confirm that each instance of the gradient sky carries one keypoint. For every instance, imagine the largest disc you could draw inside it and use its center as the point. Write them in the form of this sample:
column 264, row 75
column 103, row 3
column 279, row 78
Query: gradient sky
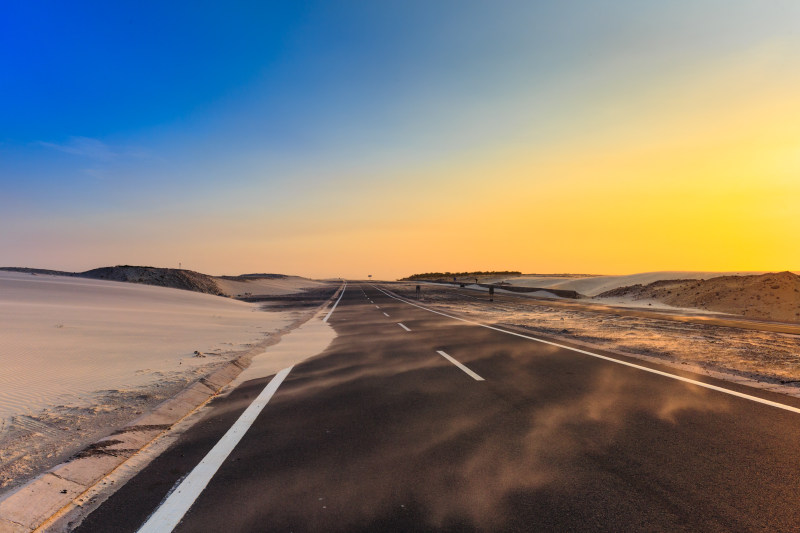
column 387, row 138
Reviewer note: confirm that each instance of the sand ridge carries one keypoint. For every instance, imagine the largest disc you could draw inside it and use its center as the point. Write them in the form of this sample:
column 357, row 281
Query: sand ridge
column 772, row 296
column 231, row 286
column 265, row 285
column 161, row 277
column 595, row 285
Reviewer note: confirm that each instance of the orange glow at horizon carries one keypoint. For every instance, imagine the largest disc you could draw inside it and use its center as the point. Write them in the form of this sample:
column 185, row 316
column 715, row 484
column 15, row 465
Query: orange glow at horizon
column 696, row 169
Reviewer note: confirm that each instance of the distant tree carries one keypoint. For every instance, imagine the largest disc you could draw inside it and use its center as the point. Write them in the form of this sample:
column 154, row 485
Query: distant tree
column 434, row 276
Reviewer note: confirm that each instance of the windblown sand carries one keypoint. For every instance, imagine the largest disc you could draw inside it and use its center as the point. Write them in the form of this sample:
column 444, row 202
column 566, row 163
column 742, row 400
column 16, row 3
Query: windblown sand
column 277, row 286
column 62, row 338
column 760, row 355
column 73, row 352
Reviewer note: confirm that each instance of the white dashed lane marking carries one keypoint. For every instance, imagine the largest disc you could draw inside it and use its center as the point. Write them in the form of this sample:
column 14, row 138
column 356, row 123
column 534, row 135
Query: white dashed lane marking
column 472, row 374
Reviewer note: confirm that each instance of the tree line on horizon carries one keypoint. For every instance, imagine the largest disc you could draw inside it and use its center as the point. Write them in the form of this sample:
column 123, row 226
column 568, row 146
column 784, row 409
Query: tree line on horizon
column 437, row 275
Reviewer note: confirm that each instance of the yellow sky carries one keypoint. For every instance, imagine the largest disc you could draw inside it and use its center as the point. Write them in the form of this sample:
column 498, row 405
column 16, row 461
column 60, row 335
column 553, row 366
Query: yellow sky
column 706, row 180
column 628, row 139
column 712, row 187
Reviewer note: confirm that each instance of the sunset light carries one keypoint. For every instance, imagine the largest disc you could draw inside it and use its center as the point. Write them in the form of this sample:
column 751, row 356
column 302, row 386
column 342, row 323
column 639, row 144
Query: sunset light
column 326, row 142
column 399, row 266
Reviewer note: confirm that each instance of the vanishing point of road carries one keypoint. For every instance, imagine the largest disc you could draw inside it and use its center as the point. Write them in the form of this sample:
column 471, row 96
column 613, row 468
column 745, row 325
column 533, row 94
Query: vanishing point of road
column 414, row 420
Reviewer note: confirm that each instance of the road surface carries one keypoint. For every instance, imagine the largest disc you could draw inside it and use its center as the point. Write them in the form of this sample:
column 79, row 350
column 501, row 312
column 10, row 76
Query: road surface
column 385, row 432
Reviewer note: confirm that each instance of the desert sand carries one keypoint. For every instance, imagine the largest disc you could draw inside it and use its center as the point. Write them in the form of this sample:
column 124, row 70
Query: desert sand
column 63, row 338
column 773, row 296
column 272, row 285
column 231, row 286
column 595, row 285
column 78, row 355
column 762, row 296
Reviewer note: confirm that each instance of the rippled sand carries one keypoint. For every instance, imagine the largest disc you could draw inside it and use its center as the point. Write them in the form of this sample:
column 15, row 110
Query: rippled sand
column 64, row 339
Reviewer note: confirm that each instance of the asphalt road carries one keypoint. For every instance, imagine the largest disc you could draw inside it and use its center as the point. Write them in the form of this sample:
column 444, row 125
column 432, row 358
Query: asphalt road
column 383, row 433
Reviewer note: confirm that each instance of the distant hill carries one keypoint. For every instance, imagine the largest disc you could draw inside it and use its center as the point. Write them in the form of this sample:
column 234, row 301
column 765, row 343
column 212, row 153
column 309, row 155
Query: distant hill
column 189, row 280
column 43, row 271
column 434, row 276
column 162, row 277
column 255, row 276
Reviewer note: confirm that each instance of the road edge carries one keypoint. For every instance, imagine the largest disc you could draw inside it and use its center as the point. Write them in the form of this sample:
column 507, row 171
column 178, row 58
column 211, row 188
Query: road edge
column 47, row 498
column 755, row 382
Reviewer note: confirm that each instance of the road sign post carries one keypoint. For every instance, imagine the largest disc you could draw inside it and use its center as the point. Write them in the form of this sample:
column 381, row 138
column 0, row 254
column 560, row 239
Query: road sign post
column 491, row 294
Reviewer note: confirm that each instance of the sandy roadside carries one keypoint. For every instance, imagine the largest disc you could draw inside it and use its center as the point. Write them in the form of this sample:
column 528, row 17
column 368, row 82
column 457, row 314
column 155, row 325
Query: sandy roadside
column 41, row 432
column 59, row 499
column 692, row 342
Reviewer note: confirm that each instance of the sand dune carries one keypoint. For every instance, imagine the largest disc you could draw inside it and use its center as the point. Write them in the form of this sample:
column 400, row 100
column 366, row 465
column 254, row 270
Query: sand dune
column 593, row 286
column 62, row 338
column 161, row 277
column 764, row 296
column 774, row 296
column 267, row 285
column 231, row 286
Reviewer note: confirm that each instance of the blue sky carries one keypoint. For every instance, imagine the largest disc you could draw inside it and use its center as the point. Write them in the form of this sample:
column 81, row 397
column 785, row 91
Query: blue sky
column 147, row 120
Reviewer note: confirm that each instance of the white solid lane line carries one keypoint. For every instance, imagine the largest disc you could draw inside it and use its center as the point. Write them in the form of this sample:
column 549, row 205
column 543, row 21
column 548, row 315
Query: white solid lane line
column 403, row 326
column 337, row 303
column 385, row 313
column 611, row 359
column 472, row 374
column 171, row 511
